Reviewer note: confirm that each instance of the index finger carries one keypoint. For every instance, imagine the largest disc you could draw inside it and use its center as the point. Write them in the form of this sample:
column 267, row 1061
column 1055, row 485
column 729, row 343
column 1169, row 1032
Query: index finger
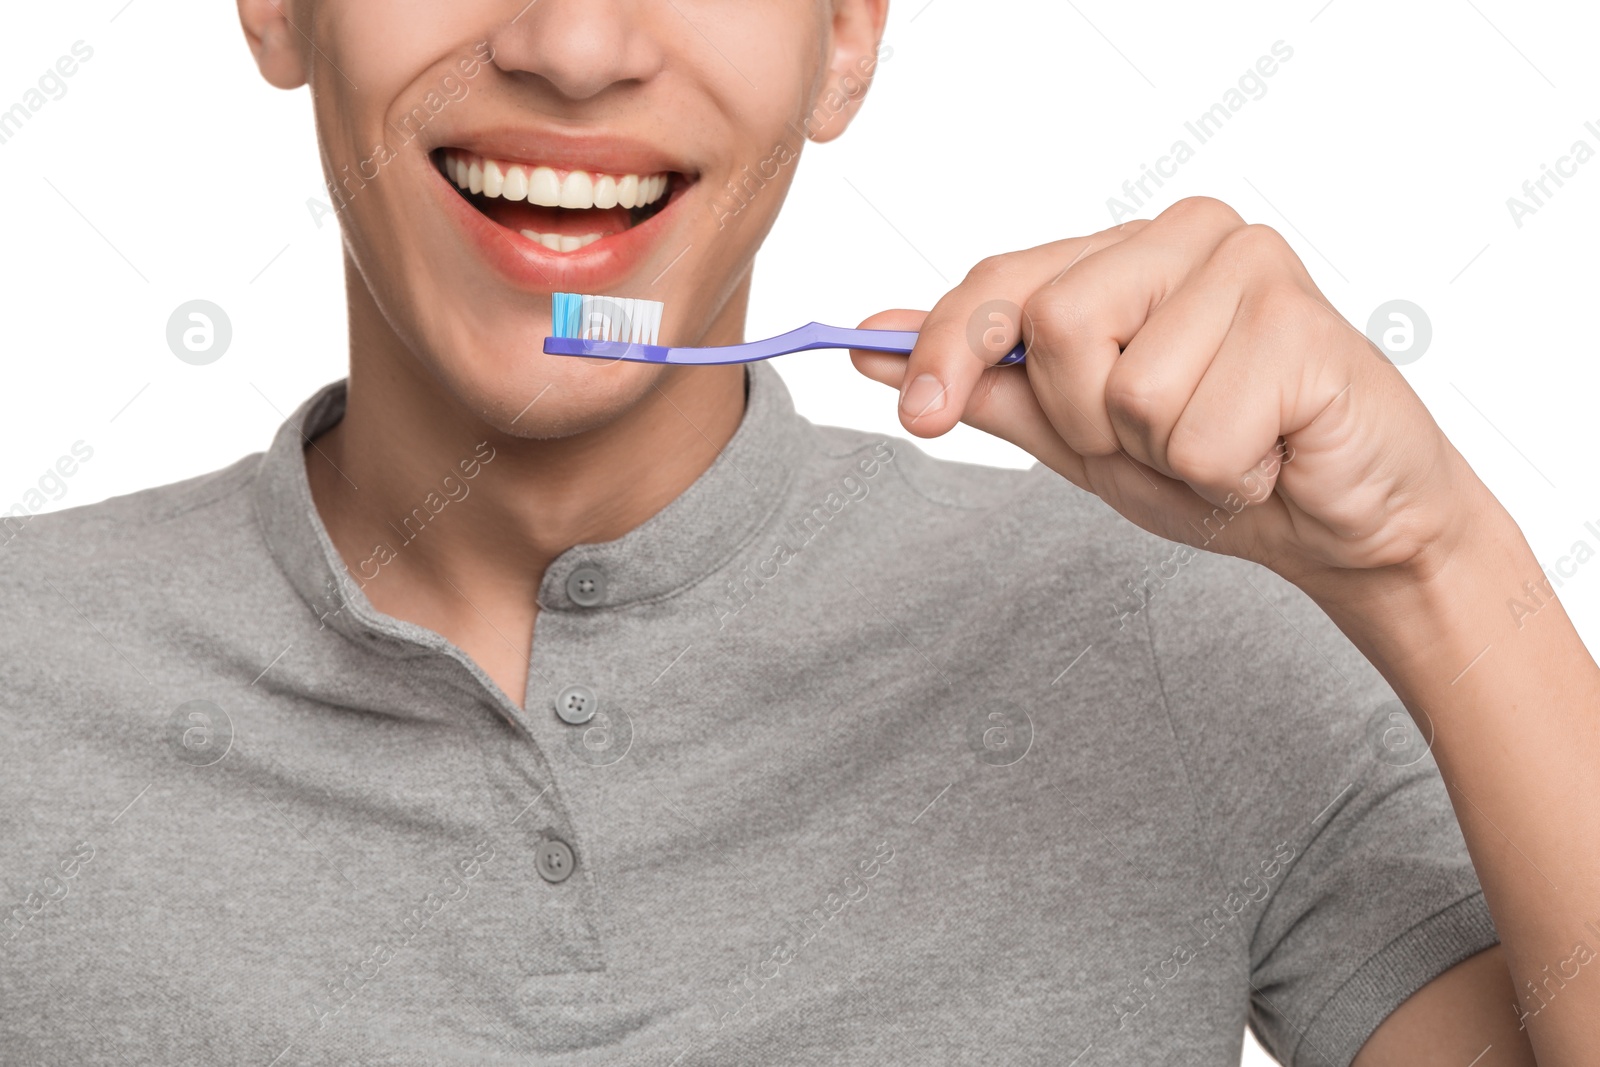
column 975, row 324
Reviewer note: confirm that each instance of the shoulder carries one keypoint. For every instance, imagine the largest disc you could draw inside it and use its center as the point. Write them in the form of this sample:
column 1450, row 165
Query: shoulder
column 126, row 526
column 116, row 562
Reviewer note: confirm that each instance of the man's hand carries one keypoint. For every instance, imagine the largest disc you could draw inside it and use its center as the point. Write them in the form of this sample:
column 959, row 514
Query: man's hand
column 1187, row 371
column 1183, row 369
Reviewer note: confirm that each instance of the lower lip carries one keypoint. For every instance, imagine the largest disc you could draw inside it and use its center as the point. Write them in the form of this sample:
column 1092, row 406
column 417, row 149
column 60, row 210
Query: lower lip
column 530, row 265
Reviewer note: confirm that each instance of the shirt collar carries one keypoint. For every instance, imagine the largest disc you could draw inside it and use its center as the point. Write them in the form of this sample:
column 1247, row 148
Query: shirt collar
column 675, row 548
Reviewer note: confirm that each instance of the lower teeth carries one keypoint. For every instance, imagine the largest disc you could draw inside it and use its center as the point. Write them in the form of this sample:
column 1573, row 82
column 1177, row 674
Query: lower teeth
column 557, row 242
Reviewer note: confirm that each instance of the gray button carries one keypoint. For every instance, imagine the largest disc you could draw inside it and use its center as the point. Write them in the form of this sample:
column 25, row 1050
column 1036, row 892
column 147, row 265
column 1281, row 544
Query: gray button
column 554, row 860
column 577, row 704
column 587, row 586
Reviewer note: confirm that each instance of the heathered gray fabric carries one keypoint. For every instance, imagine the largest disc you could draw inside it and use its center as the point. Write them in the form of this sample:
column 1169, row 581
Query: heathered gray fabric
column 891, row 767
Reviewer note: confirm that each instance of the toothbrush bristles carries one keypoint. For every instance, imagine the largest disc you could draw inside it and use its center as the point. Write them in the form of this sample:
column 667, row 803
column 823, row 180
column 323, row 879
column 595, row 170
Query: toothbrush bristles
column 606, row 318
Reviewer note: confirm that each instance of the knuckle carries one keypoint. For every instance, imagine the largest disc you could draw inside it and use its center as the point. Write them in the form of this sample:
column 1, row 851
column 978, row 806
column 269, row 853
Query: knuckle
column 1135, row 400
column 1252, row 246
column 1205, row 211
column 1281, row 308
column 1124, row 229
column 1194, row 459
column 1058, row 317
column 990, row 269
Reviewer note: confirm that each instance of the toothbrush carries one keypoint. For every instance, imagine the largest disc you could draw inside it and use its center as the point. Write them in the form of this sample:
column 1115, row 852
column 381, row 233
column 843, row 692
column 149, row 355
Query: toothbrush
column 608, row 327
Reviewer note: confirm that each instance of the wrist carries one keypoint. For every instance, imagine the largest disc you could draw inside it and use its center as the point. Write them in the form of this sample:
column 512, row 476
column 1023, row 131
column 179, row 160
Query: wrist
column 1432, row 614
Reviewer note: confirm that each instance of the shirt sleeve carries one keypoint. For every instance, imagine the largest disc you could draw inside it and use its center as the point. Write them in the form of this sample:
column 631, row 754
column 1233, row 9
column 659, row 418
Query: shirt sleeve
column 1322, row 804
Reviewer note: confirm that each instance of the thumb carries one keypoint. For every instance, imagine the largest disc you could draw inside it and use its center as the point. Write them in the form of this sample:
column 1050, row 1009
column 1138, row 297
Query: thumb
column 886, row 367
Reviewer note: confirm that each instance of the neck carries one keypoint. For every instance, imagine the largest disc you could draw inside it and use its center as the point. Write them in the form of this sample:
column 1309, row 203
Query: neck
column 450, row 522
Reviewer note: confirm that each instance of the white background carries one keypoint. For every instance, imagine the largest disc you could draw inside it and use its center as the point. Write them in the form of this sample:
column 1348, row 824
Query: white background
column 1384, row 150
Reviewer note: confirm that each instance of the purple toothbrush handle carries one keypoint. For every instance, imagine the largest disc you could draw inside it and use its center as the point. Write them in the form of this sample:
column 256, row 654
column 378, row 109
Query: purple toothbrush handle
column 886, row 341
column 812, row 335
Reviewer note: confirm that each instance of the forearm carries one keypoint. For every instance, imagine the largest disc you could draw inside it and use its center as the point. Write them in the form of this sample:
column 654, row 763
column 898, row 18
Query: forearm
column 1512, row 698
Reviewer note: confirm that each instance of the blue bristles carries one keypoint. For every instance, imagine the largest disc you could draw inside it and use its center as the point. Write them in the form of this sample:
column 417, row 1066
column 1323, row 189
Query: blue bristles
column 605, row 318
column 565, row 314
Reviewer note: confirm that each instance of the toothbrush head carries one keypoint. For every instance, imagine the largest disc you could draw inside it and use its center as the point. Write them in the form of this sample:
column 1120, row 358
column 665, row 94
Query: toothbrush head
column 606, row 327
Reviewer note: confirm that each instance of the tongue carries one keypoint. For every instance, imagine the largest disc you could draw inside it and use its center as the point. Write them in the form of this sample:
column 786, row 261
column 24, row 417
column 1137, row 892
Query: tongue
column 573, row 222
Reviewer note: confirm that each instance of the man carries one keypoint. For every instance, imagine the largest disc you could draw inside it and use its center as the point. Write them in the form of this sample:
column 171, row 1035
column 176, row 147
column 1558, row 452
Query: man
column 512, row 708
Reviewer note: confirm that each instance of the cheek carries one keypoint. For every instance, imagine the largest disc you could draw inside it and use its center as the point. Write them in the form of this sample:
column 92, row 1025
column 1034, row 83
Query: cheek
column 381, row 45
column 760, row 63
column 377, row 60
column 762, row 94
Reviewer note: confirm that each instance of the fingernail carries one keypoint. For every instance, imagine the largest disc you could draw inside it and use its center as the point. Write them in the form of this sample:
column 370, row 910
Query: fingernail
column 924, row 396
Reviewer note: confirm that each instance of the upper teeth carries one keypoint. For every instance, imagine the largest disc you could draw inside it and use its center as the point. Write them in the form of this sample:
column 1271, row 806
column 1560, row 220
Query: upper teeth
column 548, row 187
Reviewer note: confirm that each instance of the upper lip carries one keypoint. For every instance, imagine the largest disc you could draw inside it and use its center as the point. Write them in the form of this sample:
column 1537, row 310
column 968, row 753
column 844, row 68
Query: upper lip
column 597, row 152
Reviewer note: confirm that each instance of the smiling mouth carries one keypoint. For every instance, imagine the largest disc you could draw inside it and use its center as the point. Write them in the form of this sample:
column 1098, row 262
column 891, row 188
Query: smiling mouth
column 562, row 210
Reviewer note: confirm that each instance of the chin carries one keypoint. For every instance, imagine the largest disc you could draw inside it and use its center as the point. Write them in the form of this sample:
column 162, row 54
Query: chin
column 546, row 396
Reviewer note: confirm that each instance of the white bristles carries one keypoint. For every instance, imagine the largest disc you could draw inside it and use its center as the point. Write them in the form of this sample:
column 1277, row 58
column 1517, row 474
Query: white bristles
column 610, row 318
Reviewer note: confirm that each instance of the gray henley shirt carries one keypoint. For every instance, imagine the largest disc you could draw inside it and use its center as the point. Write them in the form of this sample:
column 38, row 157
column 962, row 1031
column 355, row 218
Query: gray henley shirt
column 860, row 757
